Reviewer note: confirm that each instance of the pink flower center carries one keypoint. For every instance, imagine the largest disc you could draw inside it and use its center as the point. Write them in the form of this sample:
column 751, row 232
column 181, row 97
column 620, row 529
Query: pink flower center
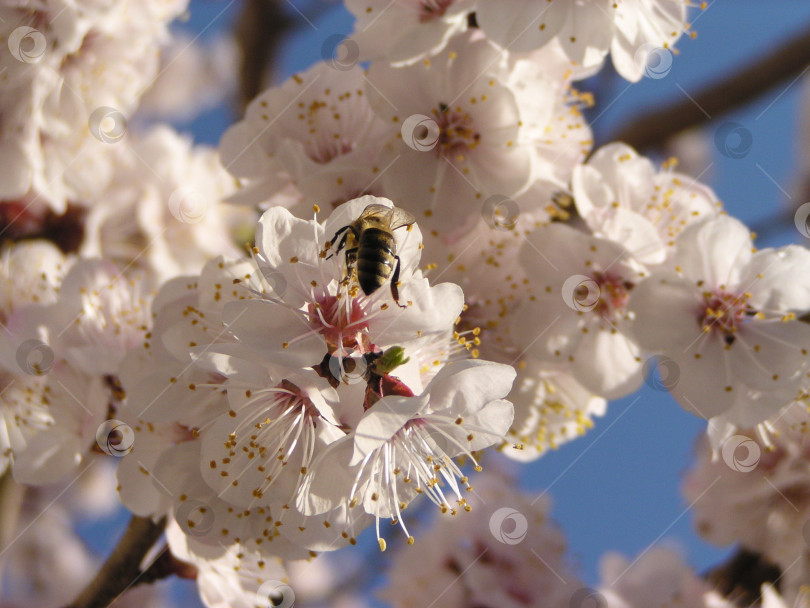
column 613, row 293
column 327, row 150
column 722, row 312
column 456, row 132
column 324, row 141
column 295, row 397
column 340, row 327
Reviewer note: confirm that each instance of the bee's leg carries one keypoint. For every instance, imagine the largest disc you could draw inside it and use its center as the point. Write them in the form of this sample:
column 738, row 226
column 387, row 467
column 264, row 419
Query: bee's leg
column 351, row 256
column 342, row 243
column 395, row 283
column 351, row 260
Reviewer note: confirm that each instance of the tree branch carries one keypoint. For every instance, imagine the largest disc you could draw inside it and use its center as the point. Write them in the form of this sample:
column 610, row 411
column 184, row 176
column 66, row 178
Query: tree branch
column 259, row 32
column 654, row 128
column 123, row 567
column 166, row 565
column 740, row 578
column 11, row 501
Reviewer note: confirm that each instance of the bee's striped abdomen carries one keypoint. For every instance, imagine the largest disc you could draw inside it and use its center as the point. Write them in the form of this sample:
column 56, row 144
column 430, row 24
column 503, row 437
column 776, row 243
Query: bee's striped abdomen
column 375, row 259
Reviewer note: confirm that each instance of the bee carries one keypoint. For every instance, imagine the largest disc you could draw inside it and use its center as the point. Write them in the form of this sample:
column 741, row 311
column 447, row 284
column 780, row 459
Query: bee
column 372, row 252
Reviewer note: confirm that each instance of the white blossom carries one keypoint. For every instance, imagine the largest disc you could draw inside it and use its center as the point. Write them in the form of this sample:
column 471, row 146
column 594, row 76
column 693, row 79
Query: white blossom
column 167, row 398
column 587, row 30
column 404, row 31
column 470, row 124
column 727, row 317
column 505, row 552
column 551, row 409
column 49, row 410
column 657, row 578
column 754, row 491
column 232, row 578
column 581, row 287
column 163, row 212
column 622, row 197
column 403, row 446
column 308, row 310
column 315, row 136
column 73, row 76
column 101, row 314
column 248, row 391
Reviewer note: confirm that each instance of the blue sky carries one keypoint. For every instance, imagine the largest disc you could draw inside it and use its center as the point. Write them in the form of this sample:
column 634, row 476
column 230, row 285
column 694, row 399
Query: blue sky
column 617, row 488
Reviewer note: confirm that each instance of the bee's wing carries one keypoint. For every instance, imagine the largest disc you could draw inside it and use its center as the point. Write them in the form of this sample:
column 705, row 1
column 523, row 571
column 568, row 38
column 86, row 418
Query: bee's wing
column 400, row 217
column 374, row 211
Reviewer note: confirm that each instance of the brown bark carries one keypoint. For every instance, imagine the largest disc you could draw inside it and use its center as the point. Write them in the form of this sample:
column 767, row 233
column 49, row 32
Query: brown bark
column 122, row 569
column 652, row 129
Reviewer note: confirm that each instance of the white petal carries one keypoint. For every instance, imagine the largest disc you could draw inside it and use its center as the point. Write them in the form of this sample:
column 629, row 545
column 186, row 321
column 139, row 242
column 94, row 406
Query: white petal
column 431, row 310
column 779, row 279
column 706, row 385
column 50, row 455
column 590, row 191
column 586, row 34
column 558, row 334
column 325, row 532
column 382, row 421
column 464, row 387
column 769, row 355
column 636, row 233
column 267, row 327
column 665, row 308
column 608, row 364
column 281, row 236
column 241, row 155
column 328, row 484
column 715, row 251
column 518, row 25
column 496, row 417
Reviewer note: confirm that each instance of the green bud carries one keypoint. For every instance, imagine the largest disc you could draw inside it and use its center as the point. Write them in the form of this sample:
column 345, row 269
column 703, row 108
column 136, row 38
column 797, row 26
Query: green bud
column 390, row 360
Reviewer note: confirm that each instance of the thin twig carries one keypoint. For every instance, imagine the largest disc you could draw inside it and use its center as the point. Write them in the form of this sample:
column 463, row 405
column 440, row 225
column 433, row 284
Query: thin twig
column 166, row 565
column 653, row 129
column 11, row 501
column 123, row 567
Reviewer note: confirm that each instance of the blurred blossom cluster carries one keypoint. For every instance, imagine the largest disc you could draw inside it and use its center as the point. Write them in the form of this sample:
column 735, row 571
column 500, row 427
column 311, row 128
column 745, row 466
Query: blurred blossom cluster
column 398, row 263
